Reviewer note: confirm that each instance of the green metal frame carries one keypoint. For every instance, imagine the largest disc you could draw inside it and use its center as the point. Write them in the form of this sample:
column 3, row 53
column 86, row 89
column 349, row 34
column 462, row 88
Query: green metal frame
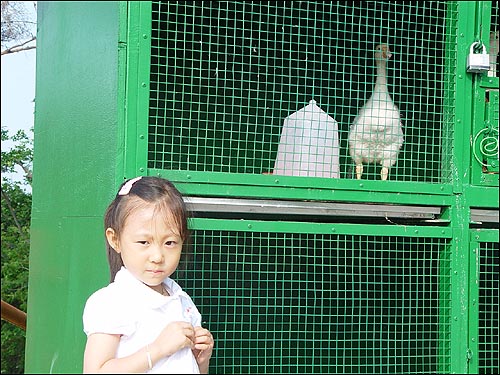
column 319, row 228
column 456, row 195
column 137, row 91
column 201, row 183
column 206, row 258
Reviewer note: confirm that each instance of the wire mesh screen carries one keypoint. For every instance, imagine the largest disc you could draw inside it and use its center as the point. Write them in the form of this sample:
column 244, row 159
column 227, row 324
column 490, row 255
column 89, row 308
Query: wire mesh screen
column 231, row 83
column 486, row 140
column 494, row 42
column 309, row 303
column 489, row 318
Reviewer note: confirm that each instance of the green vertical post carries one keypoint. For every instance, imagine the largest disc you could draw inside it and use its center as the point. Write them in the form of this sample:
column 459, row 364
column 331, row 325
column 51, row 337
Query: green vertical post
column 460, row 212
column 138, row 57
column 78, row 150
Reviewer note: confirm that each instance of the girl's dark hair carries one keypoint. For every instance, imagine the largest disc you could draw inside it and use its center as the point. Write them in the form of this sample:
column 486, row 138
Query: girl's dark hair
column 168, row 202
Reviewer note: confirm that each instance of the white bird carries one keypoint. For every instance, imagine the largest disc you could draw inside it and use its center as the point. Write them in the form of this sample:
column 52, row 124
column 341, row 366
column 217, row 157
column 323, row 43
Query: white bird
column 376, row 134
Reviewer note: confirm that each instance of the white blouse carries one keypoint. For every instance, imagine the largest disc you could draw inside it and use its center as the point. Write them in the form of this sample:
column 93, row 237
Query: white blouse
column 129, row 308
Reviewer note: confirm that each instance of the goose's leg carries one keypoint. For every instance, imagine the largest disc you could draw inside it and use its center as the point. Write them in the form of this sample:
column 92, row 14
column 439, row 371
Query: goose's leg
column 383, row 173
column 359, row 170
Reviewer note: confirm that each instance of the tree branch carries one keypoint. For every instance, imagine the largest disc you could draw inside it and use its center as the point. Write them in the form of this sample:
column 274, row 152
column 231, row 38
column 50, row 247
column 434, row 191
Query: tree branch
column 27, row 171
column 19, row 47
column 13, row 213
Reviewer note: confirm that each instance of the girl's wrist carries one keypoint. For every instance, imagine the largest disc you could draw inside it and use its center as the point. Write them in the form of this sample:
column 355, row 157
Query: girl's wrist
column 149, row 358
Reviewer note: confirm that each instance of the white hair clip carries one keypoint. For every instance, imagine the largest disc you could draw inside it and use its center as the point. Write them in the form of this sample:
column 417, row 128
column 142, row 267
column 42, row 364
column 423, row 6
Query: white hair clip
column 128, row 185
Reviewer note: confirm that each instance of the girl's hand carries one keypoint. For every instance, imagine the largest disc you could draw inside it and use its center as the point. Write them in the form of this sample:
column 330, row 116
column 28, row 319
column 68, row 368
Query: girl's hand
column 175, row 336
column 203, row 346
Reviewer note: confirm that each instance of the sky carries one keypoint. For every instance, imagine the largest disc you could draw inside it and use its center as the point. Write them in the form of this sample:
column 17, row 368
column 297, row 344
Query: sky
column 18, row 93
column 18, row 90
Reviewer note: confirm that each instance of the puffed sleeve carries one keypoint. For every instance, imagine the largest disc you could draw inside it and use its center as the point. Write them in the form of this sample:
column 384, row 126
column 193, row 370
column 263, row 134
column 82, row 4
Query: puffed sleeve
column 106, row 312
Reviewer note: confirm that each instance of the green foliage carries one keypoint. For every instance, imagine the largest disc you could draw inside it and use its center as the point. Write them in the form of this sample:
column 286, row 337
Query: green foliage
column 15, row 223
column 20, row 155
column 18, row 29
column 13, row 340
column 15, row 245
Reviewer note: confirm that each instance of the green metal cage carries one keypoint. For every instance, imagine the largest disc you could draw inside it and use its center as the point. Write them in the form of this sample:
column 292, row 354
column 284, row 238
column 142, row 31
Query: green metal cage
column 323, row 299
column 225, row 76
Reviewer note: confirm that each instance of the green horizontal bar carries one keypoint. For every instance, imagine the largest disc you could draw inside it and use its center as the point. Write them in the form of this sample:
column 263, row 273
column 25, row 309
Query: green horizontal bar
column 303, row 182
column 254, row 186
column 478, row 196
column 484, row 235
column 319, row 228
column 489, row 82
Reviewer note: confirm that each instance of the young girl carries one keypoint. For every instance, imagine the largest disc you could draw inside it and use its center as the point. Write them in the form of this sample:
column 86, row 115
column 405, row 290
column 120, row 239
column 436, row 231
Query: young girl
column 143, row 321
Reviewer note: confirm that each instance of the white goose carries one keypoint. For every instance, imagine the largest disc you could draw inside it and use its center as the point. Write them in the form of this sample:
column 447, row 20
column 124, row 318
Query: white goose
column 376, row 134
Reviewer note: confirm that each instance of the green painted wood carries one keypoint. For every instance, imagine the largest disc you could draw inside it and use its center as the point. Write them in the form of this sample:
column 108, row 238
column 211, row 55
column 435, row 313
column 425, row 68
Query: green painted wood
column 77, row 151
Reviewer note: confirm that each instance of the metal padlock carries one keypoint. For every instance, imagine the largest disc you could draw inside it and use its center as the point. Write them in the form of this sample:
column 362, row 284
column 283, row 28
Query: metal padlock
column 478, row 62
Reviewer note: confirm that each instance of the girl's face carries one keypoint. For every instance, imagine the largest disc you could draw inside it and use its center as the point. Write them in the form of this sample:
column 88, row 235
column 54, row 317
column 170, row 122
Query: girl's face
column 149, row 247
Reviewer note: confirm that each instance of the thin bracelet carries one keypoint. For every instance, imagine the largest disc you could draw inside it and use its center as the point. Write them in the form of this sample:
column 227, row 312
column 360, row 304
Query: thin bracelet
column 148, row 354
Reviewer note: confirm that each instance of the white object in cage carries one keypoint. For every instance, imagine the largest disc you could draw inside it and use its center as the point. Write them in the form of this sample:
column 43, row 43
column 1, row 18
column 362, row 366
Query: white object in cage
column 309, row 144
